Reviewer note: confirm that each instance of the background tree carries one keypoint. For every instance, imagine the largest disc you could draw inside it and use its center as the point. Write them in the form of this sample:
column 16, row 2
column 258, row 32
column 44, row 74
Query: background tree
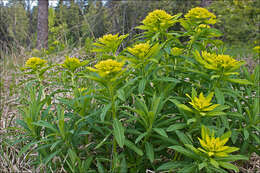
column 42, row 25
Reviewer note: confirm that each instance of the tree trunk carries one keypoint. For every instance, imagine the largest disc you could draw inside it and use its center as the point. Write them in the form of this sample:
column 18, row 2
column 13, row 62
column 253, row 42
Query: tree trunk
column 42, row 26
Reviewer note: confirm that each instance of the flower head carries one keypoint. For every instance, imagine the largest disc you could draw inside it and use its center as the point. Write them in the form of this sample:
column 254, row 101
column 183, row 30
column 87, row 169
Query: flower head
column 214, row 147
column 140, row 50
column 201, row 103
column 158, row 20
column 201, row 26
column 108, row 67
column 107, row 39
column 257, row 49
column 71, row 64
column 35, row 63
column 177, row 51
column 201, row 14
column 217, row 62
column 108, row 43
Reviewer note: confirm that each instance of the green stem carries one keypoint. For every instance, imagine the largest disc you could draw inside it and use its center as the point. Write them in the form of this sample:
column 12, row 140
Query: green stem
column 113, row 110
column 40, row 81
column 112, row 97
column 72, row 80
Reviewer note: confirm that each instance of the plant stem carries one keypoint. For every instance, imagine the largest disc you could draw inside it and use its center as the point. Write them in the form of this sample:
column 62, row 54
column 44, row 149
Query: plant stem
column 113, row 110
column 40, row 81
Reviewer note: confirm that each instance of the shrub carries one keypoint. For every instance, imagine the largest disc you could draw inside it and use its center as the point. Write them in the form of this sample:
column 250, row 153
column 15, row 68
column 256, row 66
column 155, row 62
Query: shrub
column 138, row 109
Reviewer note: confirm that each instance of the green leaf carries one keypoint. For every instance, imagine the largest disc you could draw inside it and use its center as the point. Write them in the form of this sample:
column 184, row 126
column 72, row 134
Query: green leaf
column 49, row 157
column 73, row 156
column 55, row 144
column 121, row 94
column 202, row 165
column 87, row 163
column 181, row 106
column 191, row 120
column 123, row 165
column 185, row 152
column 188, row 169
column 149, row 151
column 133, row 147
column 104, row 112
column 119, row 132
column 100, row 167
column 141, row 86
column 215, row 113
column 232, row 158
column 246, row 134
column 45, row 124
column 140, row 137
column 176, row 127
column 234, row 136
column 228, row 166
column 168, row 79
column 84, row 133
column 240, row 81
column 170, row 166
column 183, row 138
column 214, row 163
column 225, row 122
column 161, row 132
column 103, row 141
column 219, row 96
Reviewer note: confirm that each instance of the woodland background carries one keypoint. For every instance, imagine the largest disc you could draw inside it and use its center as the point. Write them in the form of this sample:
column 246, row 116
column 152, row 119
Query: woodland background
column 75, row 23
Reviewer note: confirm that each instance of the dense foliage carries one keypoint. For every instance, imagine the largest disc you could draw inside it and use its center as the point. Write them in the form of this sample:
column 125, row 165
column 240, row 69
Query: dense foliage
column 171, row 101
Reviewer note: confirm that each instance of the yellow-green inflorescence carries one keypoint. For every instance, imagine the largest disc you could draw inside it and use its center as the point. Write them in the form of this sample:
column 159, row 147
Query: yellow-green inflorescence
column 35, row 63
column 109, row 38
column 71, row 64
column 157, row 20
column 177, row 51
column 256, row 49
column 214, row 147
column 108, row 43
column 203, row 104
column 140, row 50
column 201, row 14
column 217, row 62
column 108, row 67
column 201, row 26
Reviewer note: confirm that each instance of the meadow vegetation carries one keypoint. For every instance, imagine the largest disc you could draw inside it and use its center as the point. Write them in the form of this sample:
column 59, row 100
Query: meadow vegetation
column 172, row 98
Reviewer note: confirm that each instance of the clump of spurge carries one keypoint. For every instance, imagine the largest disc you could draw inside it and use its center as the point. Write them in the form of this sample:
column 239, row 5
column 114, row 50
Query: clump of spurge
column 35, row 63
column 199, row 14
column 214, row 154
column 108, row 44
column 107, row 68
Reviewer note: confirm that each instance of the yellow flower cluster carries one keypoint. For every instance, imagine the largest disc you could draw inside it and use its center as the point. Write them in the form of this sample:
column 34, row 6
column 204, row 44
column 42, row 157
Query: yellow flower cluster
column 35, row 63
column 177, row 51
column 203, row 104
column 107, row 67
column 71, row 64
column 257, row 49
column 214, row 146
column 157, row 20
column 199, row 13
column 217, row 62
column 198, row 29
column 108, row 43
column 109, row 38
column 140, row 50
